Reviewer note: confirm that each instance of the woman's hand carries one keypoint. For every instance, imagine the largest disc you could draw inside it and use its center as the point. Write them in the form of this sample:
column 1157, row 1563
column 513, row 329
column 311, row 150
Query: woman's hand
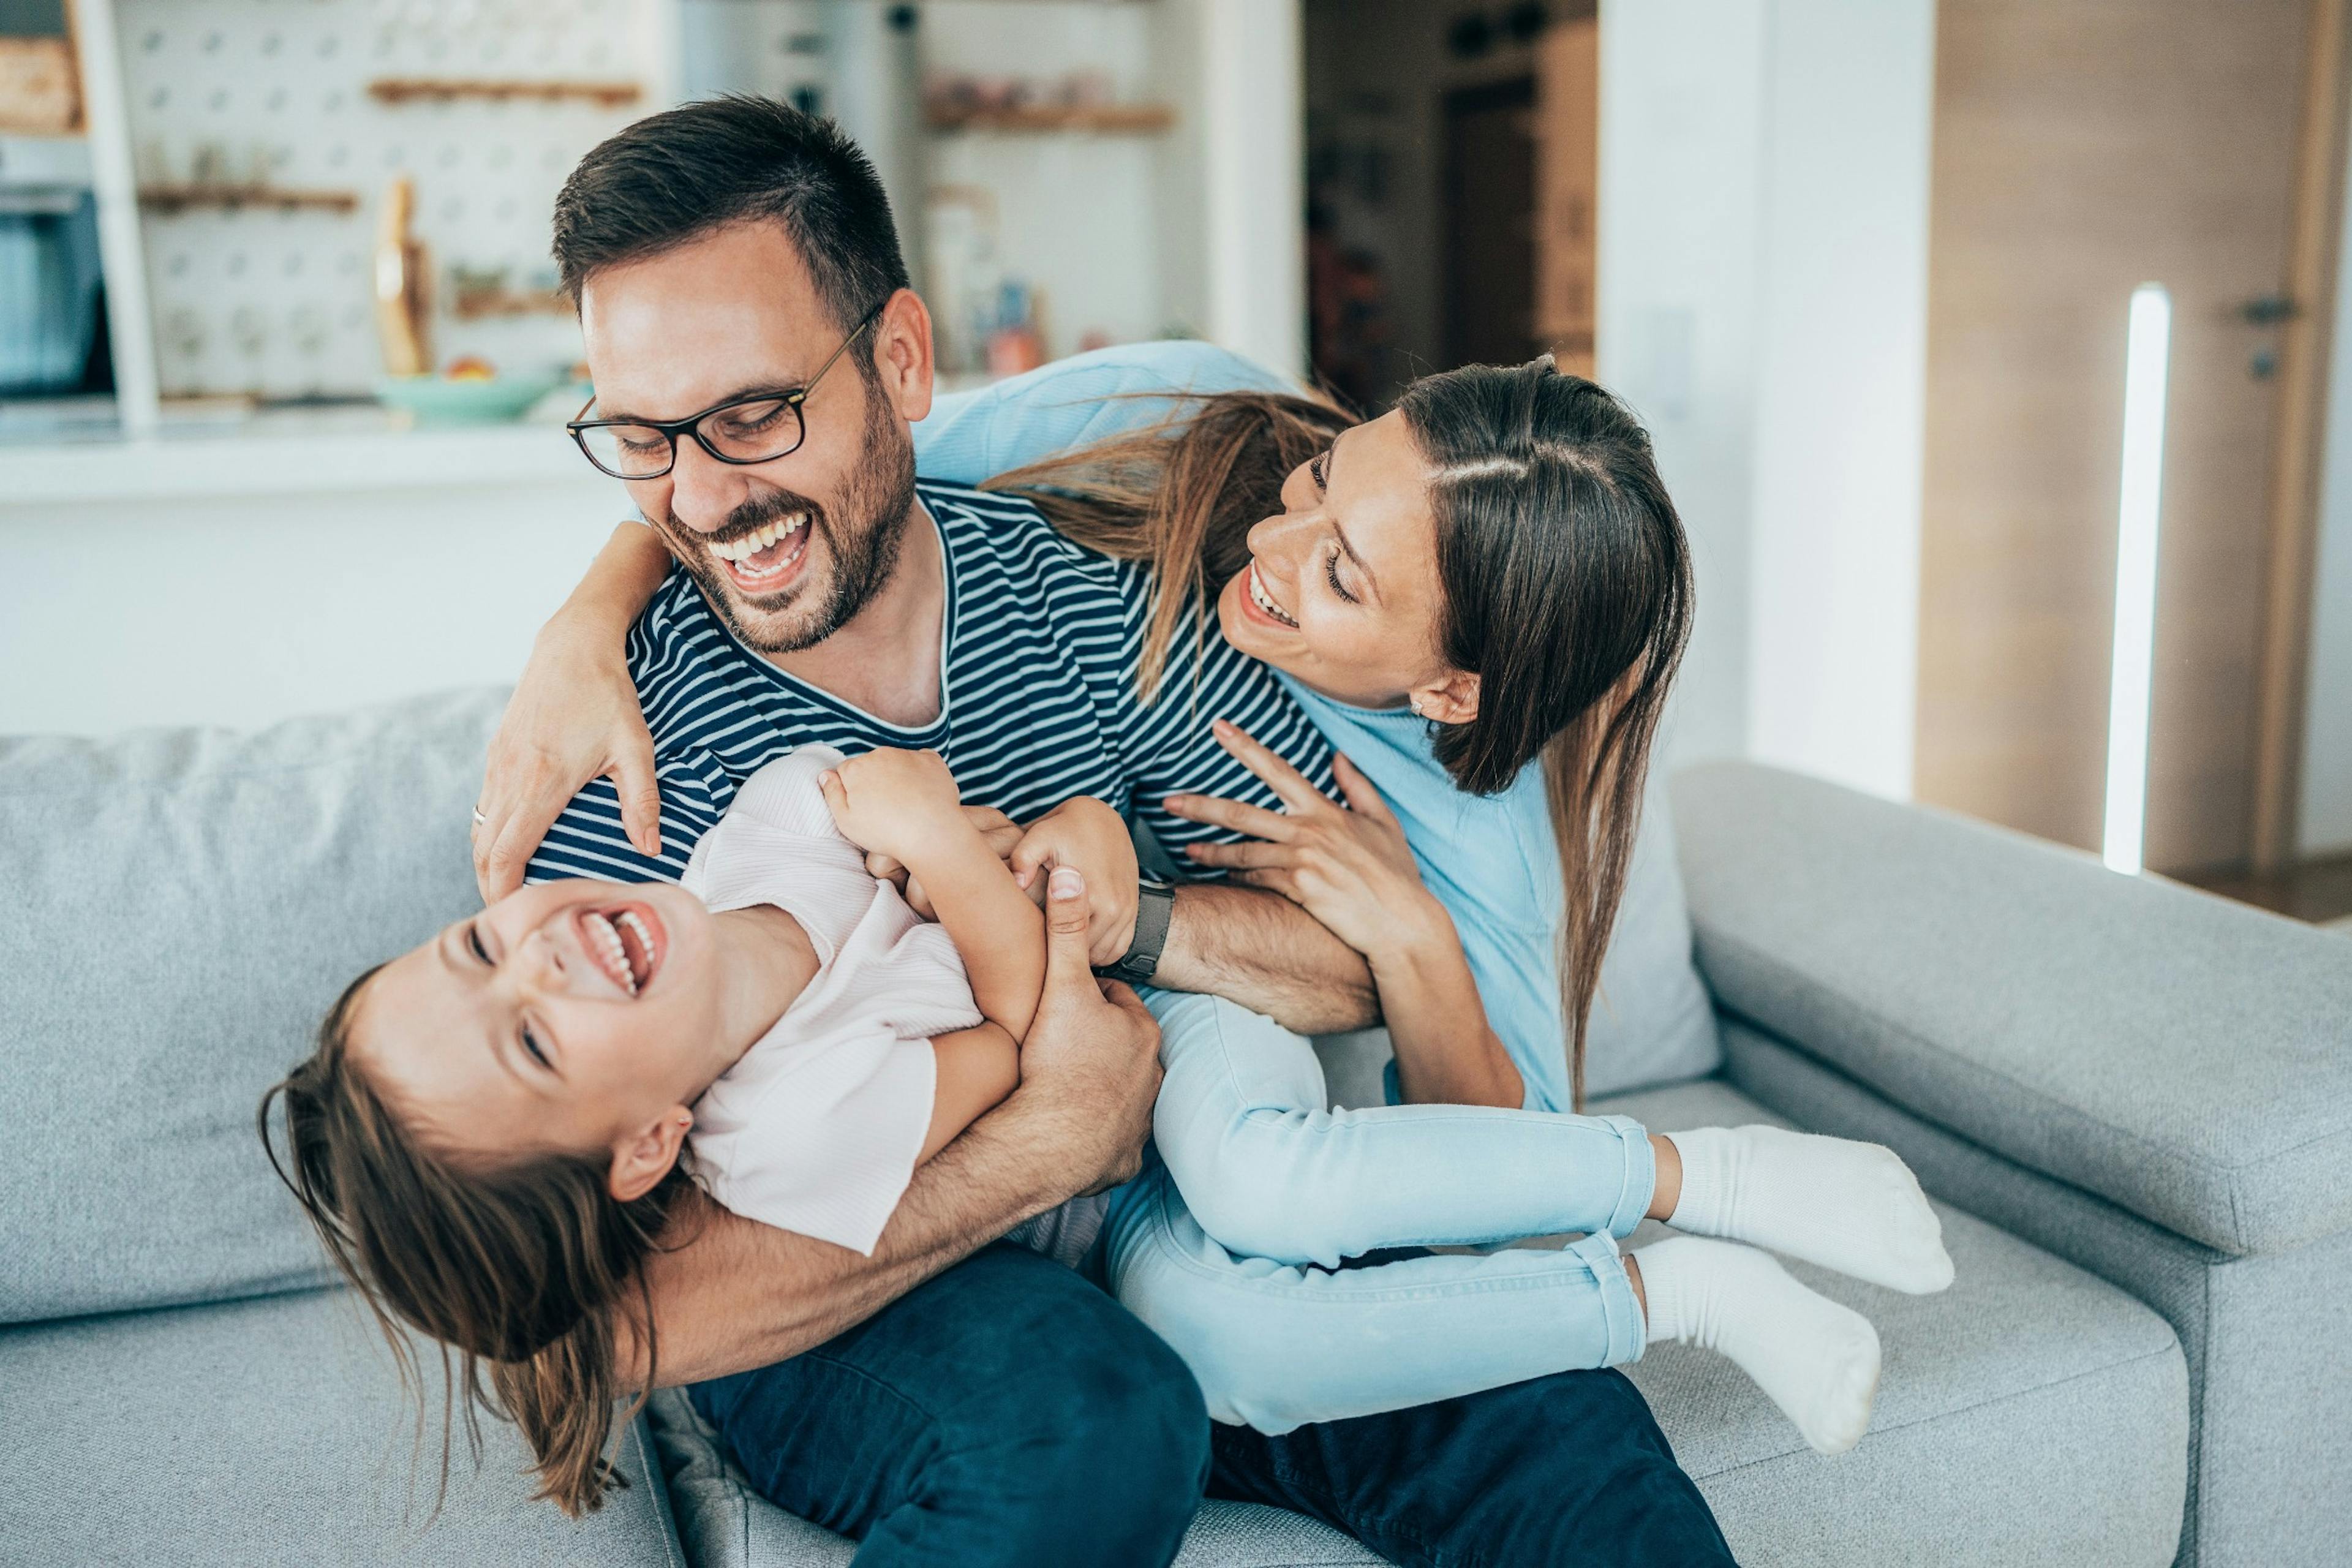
column 574, row 717
column 1348, row 866
column 1089, row 836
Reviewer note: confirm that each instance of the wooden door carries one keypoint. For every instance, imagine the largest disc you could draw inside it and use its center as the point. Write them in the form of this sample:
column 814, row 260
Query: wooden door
column 1490, row 205
column 2082, row 147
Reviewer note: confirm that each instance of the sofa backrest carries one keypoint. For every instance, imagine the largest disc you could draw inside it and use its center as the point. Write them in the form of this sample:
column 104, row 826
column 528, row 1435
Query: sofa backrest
column 178, row 909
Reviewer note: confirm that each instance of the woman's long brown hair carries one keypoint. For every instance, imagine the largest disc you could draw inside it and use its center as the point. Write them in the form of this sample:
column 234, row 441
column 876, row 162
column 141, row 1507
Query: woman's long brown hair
column 524, row 1268
column 1181, row 496
column 1564, row 571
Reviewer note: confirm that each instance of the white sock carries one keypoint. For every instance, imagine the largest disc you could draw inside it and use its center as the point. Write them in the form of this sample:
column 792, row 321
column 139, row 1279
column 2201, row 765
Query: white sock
column 1854, row 1207
column 1817, row 1360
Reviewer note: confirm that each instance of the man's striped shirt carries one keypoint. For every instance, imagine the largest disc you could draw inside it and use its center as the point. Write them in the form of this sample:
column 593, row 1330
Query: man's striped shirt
column 1038, row 700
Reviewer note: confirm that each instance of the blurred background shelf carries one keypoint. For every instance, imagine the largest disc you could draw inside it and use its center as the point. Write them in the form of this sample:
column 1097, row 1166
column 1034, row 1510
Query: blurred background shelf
column 168, row 199
column 448, row 90
column 1101, row 119
column 476, row 304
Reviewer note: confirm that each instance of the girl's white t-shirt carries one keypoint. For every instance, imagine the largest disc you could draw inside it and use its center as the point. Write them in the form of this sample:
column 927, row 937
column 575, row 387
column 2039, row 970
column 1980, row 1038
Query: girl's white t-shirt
column 818, row 1127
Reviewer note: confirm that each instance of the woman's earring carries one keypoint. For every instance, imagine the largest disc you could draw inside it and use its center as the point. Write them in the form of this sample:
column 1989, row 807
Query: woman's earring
column 1414, row 703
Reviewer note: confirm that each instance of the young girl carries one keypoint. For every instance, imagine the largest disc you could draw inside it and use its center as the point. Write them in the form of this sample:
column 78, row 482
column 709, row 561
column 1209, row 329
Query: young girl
column 493, row 1128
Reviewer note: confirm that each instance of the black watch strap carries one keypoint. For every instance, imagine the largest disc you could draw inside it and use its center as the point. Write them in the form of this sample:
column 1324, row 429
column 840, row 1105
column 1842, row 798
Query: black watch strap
column 1154, row 902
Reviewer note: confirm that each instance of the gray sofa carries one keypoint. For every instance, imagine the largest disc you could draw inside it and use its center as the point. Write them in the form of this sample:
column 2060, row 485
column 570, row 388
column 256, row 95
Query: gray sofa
column 2133, row 1102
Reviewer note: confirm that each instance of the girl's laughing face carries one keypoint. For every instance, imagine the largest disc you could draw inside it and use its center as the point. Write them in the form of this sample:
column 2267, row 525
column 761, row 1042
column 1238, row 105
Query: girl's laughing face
column 560, row 1018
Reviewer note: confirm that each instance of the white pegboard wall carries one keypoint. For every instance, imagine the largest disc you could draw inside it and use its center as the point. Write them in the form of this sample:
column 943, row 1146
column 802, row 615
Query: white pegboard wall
column 280, row 302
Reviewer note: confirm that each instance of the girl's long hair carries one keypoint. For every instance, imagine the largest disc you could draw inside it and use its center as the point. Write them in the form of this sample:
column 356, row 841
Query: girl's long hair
column 523, row 1269
column 1565, row 575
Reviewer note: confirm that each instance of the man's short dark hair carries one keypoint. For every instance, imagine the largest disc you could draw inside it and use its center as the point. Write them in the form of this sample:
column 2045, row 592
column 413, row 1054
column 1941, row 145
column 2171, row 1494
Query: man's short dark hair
column 679, row 175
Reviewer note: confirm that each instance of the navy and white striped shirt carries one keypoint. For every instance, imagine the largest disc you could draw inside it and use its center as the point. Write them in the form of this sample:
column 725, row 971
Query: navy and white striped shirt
column 1038, row 700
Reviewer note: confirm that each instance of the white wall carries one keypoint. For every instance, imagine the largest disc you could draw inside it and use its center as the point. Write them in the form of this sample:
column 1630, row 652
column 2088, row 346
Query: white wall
column 2324, row 825
column 1253, row 123
column 1763, row 230
column 1834, row 634
column 1682, row 111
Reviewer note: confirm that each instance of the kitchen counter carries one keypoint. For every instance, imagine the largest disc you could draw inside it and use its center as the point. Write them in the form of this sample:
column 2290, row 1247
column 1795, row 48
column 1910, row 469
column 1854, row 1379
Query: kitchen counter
column 283, row 452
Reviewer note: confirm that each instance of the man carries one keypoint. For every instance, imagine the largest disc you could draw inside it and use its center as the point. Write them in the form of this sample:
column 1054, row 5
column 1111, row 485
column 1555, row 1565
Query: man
column 758, row 359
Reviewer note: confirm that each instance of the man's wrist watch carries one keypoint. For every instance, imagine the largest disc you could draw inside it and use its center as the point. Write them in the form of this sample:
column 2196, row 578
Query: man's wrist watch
column 1154, row 902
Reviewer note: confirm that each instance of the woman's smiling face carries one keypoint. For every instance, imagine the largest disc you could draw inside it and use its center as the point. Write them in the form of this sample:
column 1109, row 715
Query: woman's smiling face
column 559, row 1018
column 1342, row 589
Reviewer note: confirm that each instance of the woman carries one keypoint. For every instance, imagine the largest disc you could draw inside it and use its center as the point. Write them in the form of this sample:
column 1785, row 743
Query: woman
column 1490, row 576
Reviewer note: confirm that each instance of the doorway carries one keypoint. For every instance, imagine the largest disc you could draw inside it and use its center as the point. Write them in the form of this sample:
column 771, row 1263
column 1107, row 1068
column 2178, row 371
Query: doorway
column 1490, row 238
column 1452, row 168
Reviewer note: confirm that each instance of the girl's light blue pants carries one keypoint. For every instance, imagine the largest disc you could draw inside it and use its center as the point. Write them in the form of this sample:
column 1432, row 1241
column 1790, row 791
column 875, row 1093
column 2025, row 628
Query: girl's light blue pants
column 1231, row 1242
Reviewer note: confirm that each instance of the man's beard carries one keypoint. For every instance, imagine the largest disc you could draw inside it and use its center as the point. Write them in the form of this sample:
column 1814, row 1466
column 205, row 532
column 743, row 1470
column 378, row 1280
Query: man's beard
column 862, row 539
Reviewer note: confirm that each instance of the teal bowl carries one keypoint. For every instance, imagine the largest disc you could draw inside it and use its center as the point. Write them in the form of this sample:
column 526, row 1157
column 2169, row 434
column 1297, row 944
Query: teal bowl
column 437, row 400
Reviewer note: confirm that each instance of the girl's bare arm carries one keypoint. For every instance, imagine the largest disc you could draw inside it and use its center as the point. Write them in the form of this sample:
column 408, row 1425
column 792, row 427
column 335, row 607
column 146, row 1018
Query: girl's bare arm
column 904, row 804
column 978, row 1068
column 995, row 928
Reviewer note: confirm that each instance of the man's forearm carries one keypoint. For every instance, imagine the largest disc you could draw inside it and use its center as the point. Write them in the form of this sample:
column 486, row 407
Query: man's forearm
column 1264, row 951
column 740, row 1294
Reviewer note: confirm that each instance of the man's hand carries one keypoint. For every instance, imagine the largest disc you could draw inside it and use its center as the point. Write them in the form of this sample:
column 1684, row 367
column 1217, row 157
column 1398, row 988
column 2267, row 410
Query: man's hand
column 1091, row 1060
column 1086, row 834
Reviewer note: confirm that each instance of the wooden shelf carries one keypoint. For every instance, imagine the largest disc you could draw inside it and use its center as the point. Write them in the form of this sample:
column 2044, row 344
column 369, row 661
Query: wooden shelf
column 1099, row 120
column 183, row 198
column 474, row 304
column 444, row 89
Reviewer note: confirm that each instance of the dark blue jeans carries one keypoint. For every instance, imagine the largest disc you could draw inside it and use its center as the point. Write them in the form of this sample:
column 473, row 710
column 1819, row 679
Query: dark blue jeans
column 1009, row 1412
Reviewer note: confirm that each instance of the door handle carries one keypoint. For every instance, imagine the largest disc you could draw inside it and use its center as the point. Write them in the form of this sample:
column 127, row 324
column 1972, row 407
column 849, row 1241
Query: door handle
column 2268, row 309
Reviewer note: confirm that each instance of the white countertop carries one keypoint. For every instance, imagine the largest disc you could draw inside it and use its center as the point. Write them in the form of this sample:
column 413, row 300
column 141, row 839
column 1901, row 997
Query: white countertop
column 283, row 453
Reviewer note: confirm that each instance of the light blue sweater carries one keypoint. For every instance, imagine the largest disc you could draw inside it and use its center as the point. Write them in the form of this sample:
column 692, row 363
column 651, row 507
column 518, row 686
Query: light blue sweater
column 1491, row 860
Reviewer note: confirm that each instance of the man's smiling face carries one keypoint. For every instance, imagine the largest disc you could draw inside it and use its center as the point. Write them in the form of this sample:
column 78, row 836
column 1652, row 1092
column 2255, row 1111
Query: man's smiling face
column 786, row 551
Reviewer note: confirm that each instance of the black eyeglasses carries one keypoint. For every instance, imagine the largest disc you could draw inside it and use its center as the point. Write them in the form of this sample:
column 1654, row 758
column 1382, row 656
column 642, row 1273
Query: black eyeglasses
column 758, row 427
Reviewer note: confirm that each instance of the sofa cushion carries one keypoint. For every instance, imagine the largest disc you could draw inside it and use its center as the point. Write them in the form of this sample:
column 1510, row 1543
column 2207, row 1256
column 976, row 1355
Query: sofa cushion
column 2177, row 1053
column 272, row 1431
column 2270, row 1389
column 2030, row 1415
column 1653, row 1021
column 184, row 904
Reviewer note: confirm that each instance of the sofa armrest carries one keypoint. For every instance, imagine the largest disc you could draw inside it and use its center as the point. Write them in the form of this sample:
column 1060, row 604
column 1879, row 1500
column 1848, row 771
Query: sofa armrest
column 2188, row 1058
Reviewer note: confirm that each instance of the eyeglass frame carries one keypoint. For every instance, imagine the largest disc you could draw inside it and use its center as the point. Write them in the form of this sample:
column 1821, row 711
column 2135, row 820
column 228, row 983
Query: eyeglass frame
column 670, row 430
